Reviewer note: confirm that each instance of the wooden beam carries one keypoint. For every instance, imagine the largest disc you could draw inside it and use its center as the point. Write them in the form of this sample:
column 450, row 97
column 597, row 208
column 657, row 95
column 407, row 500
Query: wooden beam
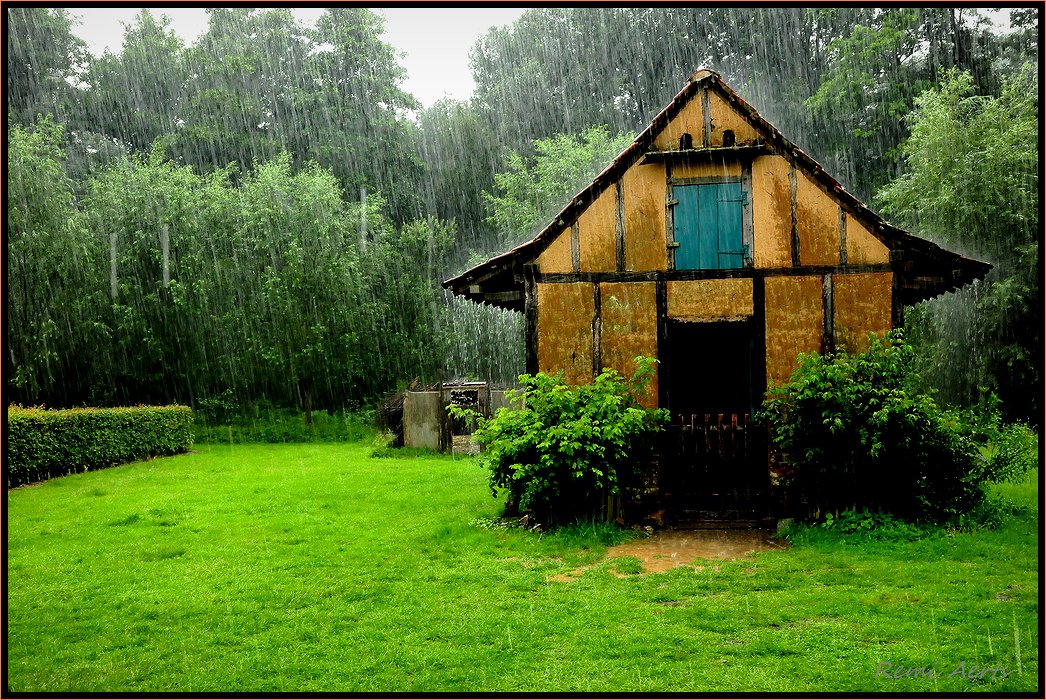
column 707, row 154
column 686, row 275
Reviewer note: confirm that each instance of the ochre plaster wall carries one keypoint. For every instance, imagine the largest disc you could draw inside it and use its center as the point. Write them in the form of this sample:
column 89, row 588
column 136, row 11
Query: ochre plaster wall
column 706, row 170
column 565, row 313
column 689, row 120
column 771, row 213
column 817, row 217
column 862, row 305
column 597, row 231
column 725, row 117
column 710, row 300
column 629, row 328
column 557, row 257
column 794, row 322
column 643, row 187
column 862, row 248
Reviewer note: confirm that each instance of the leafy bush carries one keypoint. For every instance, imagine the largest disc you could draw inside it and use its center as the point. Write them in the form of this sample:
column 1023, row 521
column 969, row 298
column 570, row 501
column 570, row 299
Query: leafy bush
column 567, row 449
column 854, row 433
column 42, row 443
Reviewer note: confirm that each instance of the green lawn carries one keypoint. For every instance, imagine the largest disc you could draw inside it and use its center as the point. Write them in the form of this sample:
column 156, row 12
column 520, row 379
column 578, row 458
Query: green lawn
column 318, row 568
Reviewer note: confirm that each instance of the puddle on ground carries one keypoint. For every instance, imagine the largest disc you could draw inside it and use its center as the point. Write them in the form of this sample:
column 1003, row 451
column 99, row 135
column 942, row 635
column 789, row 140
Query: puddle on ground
column 667, row 549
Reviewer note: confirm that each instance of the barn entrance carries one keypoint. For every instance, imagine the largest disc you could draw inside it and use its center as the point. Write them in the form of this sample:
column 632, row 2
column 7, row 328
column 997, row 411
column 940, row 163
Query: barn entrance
column 714, row 466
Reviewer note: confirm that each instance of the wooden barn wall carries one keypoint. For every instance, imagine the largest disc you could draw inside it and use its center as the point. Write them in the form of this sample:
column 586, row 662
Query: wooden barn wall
column 710, row 300
column 725, row 117
column 862, row 248
column 597, row 230
column 862, row 305
column 794, row 322
column 771, row 212
column 689, row 120
column 629, row 328
column 565, row 313
column 817, row 220
column 557, row 257
column 643, row 187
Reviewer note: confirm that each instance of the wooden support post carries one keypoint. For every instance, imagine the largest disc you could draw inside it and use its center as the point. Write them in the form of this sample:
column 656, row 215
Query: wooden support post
column 530, row 312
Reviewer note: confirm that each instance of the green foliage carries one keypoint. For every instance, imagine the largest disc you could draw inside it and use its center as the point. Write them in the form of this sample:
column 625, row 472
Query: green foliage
column 42, row 443
column 275, row 425
column 533, row 189
column 854, row 433
column 563, row 450
column 972, row 183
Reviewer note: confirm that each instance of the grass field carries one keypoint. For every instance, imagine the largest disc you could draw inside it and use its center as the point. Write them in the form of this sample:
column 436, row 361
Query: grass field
column 318, row 568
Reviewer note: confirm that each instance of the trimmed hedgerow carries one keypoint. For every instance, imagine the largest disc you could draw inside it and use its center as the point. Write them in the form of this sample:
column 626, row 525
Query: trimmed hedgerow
column 43, row 443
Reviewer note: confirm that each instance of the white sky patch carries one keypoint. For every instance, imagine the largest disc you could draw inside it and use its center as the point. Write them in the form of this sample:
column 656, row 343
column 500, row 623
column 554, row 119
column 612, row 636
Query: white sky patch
column 433, row 42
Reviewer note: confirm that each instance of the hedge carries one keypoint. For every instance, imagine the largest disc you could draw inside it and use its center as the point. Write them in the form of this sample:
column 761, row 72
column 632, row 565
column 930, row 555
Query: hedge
column 43, row 443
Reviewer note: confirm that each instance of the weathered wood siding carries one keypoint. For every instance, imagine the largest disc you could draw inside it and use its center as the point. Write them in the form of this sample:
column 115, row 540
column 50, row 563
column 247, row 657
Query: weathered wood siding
column 629, row 328
column 794, row 322
column 565, row 317
column 710, row 300
column 862, row 304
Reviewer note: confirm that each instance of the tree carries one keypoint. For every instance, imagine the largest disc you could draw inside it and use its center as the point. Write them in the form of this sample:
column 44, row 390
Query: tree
column 533, row 190
column 972, row 185
column 43, row 56
column 138, row 95
column 53, row 291
column 873, row 74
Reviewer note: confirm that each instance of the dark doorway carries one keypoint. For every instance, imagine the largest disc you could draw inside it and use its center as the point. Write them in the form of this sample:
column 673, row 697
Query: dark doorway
column 710, row 368
column 714, row 465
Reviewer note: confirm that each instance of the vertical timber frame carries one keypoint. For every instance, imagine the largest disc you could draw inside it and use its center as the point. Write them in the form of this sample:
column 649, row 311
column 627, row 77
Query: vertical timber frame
column 619, row 227
column 828, row 312
column 896, row 298
column 597, row 330
column 706, row 118
column 670, row 218
column 747, row 221
column 842, row 237
column 530, row 320
column 759, row 320
column 661, row 309
column 575, row 248
column 793, row 192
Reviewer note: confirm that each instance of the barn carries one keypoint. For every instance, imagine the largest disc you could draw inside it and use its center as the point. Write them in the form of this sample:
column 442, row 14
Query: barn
column 716, row 245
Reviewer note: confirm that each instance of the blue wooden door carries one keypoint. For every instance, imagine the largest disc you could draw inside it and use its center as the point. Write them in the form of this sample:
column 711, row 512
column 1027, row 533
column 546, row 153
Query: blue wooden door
column 708, row 226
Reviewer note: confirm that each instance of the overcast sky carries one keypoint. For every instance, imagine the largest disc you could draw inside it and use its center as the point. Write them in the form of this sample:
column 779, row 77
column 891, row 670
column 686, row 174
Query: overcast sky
column 434, row 41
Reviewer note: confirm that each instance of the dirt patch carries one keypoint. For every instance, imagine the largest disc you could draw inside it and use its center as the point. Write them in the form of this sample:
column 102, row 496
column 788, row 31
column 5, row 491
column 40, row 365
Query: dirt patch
column 668, row 549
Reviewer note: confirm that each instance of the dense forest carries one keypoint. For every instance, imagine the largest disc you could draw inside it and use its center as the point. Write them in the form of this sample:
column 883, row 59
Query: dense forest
column 263, row 218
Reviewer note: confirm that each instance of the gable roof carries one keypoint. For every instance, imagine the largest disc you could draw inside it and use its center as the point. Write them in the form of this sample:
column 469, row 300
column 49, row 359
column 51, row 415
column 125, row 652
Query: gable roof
column 926, row 270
